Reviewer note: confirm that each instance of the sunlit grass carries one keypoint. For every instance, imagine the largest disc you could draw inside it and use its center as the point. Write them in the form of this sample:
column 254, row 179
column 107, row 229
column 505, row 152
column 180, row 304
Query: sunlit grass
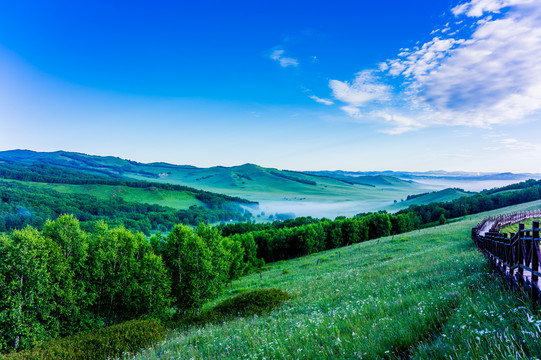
column 172, row 198
column 427, row 294
column 513, row 228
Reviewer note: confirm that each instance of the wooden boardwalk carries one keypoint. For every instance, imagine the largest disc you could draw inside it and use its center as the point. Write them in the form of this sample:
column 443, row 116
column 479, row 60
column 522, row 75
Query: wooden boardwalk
column 515, row 255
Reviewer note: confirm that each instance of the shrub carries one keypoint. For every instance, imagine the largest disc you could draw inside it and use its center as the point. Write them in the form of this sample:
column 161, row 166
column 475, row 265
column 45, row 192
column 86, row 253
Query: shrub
column 103, row 343
column 253, row 302
column 245, row 304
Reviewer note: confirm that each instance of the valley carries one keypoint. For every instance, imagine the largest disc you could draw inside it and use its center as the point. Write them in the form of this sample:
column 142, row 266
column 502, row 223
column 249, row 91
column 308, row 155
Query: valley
column 278, row 192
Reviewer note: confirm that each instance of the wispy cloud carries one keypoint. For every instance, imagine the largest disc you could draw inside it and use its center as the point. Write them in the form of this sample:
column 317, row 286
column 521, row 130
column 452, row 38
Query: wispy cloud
column 477, row 8
column 514, row 144
column 492, row 77
column 321, row 100
column 481, row 69
column 400, row 124
column 278, row 55
column 364, row 89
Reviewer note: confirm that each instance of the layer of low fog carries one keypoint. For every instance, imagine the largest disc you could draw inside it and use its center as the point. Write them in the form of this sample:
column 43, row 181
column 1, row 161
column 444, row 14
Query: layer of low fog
column 331, row 209
column 328, row 210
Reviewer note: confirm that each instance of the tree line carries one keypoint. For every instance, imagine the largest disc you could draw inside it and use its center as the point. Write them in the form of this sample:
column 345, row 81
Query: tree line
column 306, row 235
column 63, row 280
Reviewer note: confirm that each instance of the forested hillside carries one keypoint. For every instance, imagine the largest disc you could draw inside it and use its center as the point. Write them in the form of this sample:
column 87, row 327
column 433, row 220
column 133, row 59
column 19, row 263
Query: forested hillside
column 22, row 204
column 25, row 199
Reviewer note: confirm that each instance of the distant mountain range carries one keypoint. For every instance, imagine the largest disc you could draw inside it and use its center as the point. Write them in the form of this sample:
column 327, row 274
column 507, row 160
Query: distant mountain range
column 316, row 193
column 437, row 174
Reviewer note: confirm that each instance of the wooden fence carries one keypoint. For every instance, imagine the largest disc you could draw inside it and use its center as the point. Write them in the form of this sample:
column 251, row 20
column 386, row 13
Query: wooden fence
column 515, row 255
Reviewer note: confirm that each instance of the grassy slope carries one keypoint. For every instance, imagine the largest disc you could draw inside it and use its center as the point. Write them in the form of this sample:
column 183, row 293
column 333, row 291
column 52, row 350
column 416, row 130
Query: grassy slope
column 255, row 182
column 430, row 296
column 436, row 196
column 171, row 198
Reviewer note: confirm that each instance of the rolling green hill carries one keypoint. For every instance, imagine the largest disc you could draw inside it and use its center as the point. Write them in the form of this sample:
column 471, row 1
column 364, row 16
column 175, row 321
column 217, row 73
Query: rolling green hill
column 277, row 191
column 448, row 194
column 151, row 195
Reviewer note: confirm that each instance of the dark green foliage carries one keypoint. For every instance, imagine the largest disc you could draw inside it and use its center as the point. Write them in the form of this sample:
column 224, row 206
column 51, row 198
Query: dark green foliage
column 103, row 343
column 293, row 178
column 442, row 220
column 63, row 280
column 252, row 302
column 301, row 236
column 306, row 235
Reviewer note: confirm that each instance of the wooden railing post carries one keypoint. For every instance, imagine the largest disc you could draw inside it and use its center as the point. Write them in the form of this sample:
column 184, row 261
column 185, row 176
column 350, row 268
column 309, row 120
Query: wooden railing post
column 535, row 258
column 520, row 253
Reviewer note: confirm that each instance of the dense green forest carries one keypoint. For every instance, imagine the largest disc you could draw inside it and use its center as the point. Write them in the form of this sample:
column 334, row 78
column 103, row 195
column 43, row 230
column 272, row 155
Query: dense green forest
column 63, row 280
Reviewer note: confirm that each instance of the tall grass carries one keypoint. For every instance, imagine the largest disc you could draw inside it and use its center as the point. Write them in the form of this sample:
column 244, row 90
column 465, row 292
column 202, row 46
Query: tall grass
column 427, row 294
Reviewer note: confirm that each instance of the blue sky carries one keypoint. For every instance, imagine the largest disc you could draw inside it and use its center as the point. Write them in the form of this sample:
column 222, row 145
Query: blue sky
column 304, row 85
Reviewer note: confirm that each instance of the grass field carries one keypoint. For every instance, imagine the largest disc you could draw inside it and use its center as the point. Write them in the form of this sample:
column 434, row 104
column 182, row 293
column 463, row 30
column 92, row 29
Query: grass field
column 427, row 294
column 514, row 227
column 448, row 194
column 171, row 198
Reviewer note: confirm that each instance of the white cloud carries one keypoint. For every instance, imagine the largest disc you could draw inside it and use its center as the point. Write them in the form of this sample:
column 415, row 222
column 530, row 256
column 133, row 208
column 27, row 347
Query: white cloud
column 321, row 101
column 421, row 62
column 477, row 8
column 278, row 55
column 400, row 123
column 483, row 69
column 492, row 77
column 352, row 111
column 364, row 88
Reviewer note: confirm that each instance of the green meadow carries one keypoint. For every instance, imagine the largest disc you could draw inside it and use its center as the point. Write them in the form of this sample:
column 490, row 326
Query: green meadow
column 426, row 294
column 448, row 194
column 513, row 228
column 172, row 198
